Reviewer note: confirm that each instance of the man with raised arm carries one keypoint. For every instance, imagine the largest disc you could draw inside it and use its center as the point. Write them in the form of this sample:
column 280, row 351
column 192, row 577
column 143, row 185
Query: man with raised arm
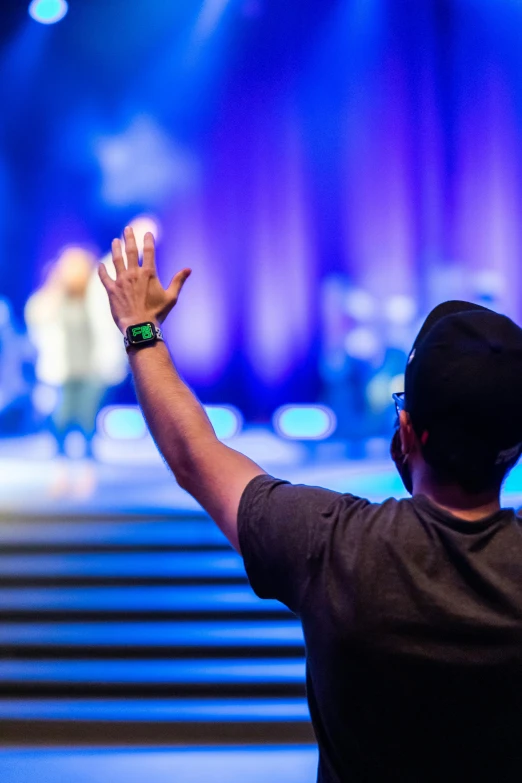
column 411, row 609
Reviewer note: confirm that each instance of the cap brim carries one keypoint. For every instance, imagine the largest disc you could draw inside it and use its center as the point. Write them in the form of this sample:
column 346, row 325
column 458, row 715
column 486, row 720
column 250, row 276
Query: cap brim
column 441, row 311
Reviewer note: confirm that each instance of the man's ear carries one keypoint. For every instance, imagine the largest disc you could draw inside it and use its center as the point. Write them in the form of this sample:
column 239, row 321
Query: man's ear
column 407, row 434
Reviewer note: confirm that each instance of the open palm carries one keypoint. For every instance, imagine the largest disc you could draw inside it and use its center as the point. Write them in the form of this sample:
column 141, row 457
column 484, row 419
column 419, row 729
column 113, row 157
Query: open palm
column 137, row 294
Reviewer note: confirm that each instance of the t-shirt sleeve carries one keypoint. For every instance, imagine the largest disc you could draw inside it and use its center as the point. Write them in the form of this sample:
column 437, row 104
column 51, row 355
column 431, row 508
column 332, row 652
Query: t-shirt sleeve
column 278, row 527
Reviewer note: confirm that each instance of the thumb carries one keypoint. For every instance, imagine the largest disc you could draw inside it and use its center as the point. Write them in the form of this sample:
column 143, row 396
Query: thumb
column 177, row 283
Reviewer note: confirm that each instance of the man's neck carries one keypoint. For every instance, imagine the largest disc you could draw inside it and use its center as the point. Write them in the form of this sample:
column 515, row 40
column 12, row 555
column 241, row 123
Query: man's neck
column 471, row 508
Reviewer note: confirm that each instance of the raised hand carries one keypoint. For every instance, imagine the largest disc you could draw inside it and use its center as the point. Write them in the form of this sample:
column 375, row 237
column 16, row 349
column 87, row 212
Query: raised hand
column 137, row 294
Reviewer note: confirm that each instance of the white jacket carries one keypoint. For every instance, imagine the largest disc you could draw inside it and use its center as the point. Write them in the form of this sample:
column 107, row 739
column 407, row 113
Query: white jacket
column 46, row 330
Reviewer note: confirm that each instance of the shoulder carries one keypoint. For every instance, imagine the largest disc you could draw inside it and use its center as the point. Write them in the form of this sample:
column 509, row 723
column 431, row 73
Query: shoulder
column 277, row 504
column 269, row 494
column 265, row 489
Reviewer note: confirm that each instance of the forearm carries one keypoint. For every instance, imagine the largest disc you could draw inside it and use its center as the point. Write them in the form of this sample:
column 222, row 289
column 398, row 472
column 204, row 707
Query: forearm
column 176, row 419
column 183, row 432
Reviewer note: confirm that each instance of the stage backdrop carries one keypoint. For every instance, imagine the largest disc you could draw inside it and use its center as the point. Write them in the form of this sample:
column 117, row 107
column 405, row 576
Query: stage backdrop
column 277, row 143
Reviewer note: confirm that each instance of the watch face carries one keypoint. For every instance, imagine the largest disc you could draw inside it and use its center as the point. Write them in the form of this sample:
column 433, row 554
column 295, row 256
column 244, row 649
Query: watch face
column 141, row 333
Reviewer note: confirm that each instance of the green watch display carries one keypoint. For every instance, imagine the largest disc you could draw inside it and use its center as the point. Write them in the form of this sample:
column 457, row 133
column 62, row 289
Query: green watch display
column 140, row 335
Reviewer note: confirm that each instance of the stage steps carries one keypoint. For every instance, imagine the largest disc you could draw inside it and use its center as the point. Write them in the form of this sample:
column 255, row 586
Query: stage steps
column 141, row 630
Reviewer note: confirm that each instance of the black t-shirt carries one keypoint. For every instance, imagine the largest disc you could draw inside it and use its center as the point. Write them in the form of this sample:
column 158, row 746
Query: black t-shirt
column 412, row 621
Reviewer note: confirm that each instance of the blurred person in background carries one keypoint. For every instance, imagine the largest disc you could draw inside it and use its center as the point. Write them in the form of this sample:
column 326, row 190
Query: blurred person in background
column 351, row 350
column 363, row 354
column 79, row 354
column 397, row 322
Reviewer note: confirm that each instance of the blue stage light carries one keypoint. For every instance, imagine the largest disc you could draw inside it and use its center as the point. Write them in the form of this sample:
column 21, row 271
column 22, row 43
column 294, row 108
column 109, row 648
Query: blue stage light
column 48, row 11
column 304, row 422
column 126, row 422
column 226, row 420
column 122, row 422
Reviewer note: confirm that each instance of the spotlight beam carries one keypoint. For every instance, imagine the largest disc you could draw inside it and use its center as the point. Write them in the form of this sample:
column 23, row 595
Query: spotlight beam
column 209, row 17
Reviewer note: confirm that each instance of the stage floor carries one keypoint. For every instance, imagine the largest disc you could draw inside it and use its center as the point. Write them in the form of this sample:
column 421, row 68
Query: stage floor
column 130, row 477
column 170, row 765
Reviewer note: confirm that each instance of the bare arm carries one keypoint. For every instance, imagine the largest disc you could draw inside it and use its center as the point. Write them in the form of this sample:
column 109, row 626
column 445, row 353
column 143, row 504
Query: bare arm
column 214, row 474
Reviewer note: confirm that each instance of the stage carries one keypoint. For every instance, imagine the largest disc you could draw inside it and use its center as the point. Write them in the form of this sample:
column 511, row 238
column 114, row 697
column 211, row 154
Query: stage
column 129, row 477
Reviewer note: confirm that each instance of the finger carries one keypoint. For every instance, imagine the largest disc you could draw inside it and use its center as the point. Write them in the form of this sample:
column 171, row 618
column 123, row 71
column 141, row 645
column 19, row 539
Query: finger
column 131, row 248
column 177, row 283
column 104, row 276
column 117, row 257
column 149, row 252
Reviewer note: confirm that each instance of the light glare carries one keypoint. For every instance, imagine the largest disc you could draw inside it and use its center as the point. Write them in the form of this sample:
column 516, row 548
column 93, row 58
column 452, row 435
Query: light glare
column 48, row 11
column 126, row 422
column 305, row 422
column 122, row 422
column 226, row 420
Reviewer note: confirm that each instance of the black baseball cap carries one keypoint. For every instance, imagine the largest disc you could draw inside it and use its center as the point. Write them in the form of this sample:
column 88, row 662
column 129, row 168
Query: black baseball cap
column 463, row 384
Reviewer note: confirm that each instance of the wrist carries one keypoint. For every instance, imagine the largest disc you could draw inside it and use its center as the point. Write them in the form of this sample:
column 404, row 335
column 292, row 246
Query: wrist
column 152, row 349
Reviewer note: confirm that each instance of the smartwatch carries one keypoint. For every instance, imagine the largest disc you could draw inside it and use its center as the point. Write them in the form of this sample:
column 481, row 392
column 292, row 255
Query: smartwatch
column 140, row 335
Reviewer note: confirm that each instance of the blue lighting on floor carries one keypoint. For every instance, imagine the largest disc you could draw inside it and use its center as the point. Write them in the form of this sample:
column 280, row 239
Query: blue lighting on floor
column 201, row 532
column 48, row 11
column 304, row 422
column 174, row 710
column 155, row 671
column 127, row 565
column 282, row 764
column 234, row 598
column 180, row 634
